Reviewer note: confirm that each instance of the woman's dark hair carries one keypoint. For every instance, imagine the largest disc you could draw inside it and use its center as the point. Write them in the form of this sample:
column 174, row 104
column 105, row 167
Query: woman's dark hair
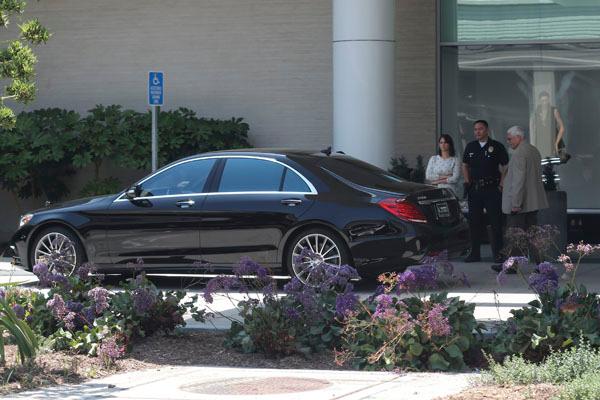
column 450, row 142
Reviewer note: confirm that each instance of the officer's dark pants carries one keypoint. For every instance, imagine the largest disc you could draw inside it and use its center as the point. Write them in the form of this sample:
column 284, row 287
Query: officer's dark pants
column 490, row 199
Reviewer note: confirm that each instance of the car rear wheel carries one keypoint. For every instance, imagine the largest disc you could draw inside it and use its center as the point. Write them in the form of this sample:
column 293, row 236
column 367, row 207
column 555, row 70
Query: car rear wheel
column 310, row 249
column 58, row 247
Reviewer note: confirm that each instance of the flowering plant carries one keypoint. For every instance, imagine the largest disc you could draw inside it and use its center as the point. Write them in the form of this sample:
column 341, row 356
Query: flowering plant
column 560, row 316
column 80, row 314
column 302, row 319
column 416, row 332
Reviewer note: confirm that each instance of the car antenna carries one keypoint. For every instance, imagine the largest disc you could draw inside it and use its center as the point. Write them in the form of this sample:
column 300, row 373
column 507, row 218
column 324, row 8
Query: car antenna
column 327, row 151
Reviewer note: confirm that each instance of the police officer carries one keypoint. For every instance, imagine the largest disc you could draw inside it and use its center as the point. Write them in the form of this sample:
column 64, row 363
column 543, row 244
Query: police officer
column 484, row 162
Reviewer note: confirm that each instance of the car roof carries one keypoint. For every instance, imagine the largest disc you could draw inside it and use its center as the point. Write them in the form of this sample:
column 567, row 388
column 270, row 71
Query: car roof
column 269, row 152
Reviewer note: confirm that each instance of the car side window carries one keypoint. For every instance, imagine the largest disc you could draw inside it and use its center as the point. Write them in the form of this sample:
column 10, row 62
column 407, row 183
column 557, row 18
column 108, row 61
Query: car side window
column 251, row 175
column 293, row 183
column 188, row 177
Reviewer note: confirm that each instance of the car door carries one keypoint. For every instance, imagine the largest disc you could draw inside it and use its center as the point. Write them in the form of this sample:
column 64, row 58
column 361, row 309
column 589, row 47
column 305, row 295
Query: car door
column 252, row 204
column 161, row 224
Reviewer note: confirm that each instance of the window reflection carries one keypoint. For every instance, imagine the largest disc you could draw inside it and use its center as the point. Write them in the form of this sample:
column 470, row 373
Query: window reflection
column 552, row 89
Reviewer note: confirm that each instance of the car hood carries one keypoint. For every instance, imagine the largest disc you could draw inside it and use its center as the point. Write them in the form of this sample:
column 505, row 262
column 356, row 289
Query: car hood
column 84, row 203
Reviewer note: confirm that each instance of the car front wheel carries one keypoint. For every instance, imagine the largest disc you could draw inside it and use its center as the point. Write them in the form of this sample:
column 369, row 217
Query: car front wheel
column 59, row 248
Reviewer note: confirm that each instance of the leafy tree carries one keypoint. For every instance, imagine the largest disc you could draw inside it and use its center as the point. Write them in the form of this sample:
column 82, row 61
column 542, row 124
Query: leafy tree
column 17, row 60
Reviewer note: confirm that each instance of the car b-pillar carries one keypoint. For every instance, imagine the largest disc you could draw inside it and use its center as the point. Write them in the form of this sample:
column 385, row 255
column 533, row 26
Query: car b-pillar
column 363, row 79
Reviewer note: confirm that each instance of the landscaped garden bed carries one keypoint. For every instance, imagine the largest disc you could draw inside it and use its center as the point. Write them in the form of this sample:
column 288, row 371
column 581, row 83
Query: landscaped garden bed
column 80, row 329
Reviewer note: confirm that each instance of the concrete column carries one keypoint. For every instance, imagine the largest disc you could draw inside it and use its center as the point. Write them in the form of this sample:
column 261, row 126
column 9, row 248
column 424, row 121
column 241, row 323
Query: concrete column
column 363, row 79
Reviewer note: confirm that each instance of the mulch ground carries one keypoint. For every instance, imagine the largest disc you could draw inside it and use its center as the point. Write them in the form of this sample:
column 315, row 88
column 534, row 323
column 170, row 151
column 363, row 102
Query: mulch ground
column 196, row 348
column 537, row 392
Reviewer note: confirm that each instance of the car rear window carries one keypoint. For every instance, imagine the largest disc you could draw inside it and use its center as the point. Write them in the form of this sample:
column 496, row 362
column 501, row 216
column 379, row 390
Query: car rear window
column 361, row 173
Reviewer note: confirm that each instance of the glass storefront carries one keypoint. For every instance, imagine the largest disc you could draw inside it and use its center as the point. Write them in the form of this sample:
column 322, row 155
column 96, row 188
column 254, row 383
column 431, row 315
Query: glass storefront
column 530, row 63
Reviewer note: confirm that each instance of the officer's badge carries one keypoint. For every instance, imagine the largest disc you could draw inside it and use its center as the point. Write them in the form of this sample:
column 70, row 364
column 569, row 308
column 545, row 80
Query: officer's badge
column 491, row 149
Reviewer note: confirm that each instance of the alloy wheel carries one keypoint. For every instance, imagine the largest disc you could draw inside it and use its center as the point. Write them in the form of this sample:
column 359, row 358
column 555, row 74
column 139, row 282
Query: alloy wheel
column 58, row 251
column 321, row 249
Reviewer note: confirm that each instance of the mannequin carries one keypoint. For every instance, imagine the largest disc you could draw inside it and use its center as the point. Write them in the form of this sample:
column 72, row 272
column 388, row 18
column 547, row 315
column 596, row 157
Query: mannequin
column 548, row 129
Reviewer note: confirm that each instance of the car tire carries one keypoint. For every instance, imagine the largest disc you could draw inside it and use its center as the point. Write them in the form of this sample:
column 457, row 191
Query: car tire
column 331, row 248
column 50, row 239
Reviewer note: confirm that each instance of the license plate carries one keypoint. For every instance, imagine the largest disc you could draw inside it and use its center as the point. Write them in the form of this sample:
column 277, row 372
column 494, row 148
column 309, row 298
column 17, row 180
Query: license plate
column 442, row 210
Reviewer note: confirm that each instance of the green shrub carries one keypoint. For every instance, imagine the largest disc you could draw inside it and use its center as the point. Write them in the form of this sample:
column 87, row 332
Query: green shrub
column 37, row 153
column 47, row 145
column 559, row 367
column 587, row 387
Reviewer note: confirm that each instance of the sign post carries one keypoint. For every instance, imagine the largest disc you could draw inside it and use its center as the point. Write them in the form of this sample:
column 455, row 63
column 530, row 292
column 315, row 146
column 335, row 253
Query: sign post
column 155, row 99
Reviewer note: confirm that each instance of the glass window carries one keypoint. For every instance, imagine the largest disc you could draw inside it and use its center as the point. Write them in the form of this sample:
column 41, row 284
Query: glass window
column 361, row 173
column 553, row 91
column 293, row 182
column 518, row 20
column 188, row 177
column 251, row 175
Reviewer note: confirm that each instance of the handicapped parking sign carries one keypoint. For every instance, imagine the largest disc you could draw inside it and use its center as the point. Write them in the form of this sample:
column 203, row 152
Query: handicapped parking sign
column 155, row 88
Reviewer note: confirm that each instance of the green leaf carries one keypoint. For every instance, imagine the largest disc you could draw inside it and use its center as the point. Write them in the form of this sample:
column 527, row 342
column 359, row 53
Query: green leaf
column 415, row 349
column 463, row 343
column 453, row 351
column 437, row 362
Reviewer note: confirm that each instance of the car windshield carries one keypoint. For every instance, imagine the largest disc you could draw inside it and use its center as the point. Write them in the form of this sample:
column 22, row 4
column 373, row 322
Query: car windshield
column 362, row 173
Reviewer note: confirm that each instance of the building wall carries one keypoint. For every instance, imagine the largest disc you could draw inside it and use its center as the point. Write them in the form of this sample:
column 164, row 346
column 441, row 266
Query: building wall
column 268, row 61
column 416, row 78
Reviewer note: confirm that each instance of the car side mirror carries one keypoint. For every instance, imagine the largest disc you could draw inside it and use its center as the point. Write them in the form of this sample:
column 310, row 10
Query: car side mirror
column 133, row 192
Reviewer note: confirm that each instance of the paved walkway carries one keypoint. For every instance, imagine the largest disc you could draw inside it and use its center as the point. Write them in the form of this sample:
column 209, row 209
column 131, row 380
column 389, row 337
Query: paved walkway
column 209, row 383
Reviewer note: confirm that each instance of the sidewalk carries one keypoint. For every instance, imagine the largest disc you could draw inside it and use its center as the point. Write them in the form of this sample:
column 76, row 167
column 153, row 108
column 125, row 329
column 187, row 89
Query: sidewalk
column 204, row 383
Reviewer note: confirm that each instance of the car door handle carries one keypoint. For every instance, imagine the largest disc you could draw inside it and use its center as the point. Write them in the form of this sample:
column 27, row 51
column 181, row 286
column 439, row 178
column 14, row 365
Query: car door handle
column 291, row 202
column 185, row 203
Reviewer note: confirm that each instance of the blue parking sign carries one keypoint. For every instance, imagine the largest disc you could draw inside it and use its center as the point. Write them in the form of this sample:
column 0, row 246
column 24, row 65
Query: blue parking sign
column 155, row 88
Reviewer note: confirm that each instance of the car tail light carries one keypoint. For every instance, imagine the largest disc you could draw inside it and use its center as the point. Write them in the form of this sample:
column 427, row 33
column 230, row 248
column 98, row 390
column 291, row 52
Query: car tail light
column 403, row 209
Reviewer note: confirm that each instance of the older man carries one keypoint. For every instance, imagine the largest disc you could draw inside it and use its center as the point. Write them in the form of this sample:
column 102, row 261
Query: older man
column 523, row 193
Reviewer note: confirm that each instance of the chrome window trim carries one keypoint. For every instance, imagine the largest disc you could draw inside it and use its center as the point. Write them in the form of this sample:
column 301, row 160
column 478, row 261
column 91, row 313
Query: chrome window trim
column 313, row 190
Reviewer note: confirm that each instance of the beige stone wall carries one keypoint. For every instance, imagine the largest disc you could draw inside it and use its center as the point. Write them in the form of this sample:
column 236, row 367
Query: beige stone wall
column 268, row 61
column 416, row 78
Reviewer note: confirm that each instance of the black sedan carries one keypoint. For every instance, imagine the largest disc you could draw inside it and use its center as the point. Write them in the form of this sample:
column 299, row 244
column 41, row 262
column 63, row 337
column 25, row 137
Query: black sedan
column 269, row 205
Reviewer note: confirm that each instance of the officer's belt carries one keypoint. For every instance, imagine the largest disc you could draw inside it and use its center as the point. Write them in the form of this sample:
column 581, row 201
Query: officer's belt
column 485, row 183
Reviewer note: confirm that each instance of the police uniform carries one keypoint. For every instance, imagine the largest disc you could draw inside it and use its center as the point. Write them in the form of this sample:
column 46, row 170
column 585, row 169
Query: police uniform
column 483, row 192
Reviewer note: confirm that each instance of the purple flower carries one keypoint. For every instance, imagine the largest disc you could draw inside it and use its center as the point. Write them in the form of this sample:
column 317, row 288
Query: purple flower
column 293, row 286
column 19, row 310
column 74, row 306
column 143, row 300
column 109, row 349
column 57, row 306
column 292, row 313
column 2, row 293
column 437, row 322
column 345, row 303
column 219, row 283
column 545, row 280
column 100, row 297
column 384, row 300
column 85, row 270
column 513, row 262
column 69, row 320
column 88, row 315
column 419, row 278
